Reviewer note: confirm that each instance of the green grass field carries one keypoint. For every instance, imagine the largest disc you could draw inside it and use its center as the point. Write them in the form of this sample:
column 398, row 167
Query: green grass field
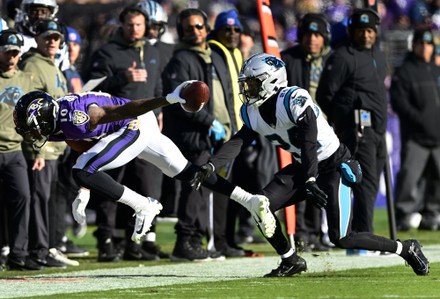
column 330, row 275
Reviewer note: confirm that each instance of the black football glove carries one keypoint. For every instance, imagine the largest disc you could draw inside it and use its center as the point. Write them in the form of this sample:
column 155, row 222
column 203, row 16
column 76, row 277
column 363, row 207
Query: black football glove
column 316, row 195
column 202, row 174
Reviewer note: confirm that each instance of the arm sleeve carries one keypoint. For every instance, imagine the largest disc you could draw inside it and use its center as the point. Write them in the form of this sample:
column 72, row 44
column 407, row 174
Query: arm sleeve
column 229, row 150
column 307, row 137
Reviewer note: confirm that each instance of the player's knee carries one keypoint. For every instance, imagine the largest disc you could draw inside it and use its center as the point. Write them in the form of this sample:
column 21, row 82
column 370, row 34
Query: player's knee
column 187, row 174
column 80, row 176
column 346, row 242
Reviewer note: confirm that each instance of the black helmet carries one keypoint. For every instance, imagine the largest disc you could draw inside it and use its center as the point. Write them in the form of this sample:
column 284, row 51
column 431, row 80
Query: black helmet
column 35, row 116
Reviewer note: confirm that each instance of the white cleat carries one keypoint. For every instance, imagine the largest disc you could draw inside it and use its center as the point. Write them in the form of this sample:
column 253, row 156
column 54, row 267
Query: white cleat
column 259, row 209
column 144, row 217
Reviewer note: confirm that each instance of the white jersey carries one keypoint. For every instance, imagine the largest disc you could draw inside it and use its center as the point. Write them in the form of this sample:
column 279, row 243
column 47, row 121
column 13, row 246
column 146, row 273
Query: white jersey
column 290, row 105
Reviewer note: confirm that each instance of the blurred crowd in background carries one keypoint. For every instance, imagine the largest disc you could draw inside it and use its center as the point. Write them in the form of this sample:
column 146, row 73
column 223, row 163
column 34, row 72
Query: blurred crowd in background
column 89, row 25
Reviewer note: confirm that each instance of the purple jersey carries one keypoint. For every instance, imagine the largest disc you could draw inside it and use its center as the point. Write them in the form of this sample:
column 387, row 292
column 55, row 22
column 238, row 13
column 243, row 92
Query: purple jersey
column 73, row 117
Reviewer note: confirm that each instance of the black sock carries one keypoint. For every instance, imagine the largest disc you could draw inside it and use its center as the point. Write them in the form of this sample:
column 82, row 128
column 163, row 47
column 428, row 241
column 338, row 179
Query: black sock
column 405, row 249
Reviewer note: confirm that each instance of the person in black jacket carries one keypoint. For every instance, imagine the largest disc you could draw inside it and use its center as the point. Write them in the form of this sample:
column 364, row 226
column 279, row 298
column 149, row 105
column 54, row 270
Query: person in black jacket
column 415, row 97
column 352, row 94
column 132, row 68
column 196, row 134
column 304, row 64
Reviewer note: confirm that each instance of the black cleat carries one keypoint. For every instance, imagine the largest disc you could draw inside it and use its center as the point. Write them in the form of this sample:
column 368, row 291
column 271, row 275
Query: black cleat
column 23, row 264
column 287, row 268
column 415, row 257
column 184, row 251
column 154, row 249
column 107, row 252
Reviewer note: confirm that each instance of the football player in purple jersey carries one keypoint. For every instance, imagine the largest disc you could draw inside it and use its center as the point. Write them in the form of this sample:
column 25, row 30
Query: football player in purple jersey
column 117, row 130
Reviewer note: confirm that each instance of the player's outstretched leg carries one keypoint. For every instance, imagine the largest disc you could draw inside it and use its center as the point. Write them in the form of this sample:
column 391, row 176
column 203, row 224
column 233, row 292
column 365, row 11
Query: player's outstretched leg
column 145, row 209
column 258, row 206
column 144, row 217
column 415, row 257
column 288, row 267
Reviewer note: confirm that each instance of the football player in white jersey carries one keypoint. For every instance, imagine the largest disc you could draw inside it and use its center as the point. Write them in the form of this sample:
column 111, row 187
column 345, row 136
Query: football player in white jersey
column 321, row 171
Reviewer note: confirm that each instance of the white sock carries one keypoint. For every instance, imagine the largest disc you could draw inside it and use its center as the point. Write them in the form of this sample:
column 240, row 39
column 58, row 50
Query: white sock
column 241, row 196
column 133, row 199
column 399, row 247
column 288, row 253
column 150, row 237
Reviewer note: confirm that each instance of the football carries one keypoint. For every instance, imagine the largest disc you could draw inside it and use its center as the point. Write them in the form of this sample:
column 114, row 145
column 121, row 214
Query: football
column 196, row 95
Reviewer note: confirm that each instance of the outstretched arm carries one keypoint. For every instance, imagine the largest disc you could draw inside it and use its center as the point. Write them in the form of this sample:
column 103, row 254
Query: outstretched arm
column 106, row 114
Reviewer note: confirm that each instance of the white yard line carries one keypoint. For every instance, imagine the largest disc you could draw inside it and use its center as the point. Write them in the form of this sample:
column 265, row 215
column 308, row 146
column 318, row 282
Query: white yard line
column 184, row 273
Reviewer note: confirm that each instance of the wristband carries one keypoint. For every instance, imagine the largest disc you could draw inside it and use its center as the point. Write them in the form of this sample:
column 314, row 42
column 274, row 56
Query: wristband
column 311, row 179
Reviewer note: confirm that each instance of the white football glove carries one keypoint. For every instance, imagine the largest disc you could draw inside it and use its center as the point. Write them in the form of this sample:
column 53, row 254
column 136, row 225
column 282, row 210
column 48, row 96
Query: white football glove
column 79, row 205
column 174, row 97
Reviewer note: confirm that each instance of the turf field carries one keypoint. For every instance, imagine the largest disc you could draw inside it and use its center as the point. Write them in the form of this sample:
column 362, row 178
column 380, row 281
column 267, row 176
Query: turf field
column 330, row 275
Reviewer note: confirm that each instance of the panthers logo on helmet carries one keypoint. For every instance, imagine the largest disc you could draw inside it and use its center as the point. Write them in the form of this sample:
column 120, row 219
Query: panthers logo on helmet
column 273, row 61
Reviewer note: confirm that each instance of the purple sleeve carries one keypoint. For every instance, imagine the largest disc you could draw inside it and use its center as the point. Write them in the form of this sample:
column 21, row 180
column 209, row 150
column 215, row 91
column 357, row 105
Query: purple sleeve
column 73, row 118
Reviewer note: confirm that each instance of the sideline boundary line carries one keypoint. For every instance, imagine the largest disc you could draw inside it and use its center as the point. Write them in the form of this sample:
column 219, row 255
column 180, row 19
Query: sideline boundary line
column 187, row 273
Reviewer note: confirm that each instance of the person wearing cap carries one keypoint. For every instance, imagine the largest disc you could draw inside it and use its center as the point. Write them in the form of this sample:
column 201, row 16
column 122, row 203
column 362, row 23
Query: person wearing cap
column 304, row 64
column 65, row 190
column 224, row 39
column 42, row 163
column 415, row 97
column 74, row 80
column 133, row 71
column 197, row 135
column 30, row 13
column 13, row 169
column 352, row 94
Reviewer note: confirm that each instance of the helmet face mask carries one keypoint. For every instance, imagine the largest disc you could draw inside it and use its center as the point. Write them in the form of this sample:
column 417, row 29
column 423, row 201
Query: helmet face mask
column 26, row 18
column 261, row 76
column 157, row 16
column 35, row 117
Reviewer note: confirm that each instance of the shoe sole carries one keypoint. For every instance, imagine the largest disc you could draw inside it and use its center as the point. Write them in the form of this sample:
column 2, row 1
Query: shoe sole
column 152, row 211
column 264, row 218
column 174, row 258
column 421, row 257
column 82, row 254
column 301, row 269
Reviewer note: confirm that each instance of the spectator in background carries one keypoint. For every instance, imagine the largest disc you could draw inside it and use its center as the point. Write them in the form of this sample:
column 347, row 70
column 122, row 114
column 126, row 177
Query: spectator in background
column 132, row 69
column 158, row 21
column 352, row 94
column 42, row 164
column 415, row 97
column 65, row 188
column 196, row 134
column 304, row 64
column 26, row 17
column 74, row 80
column 247, row 42
column 13, row 169
column 254, row 167
column 224, row 39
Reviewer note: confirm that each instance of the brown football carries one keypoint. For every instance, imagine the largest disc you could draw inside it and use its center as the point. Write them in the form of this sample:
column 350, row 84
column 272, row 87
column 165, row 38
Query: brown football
column 196, row 95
